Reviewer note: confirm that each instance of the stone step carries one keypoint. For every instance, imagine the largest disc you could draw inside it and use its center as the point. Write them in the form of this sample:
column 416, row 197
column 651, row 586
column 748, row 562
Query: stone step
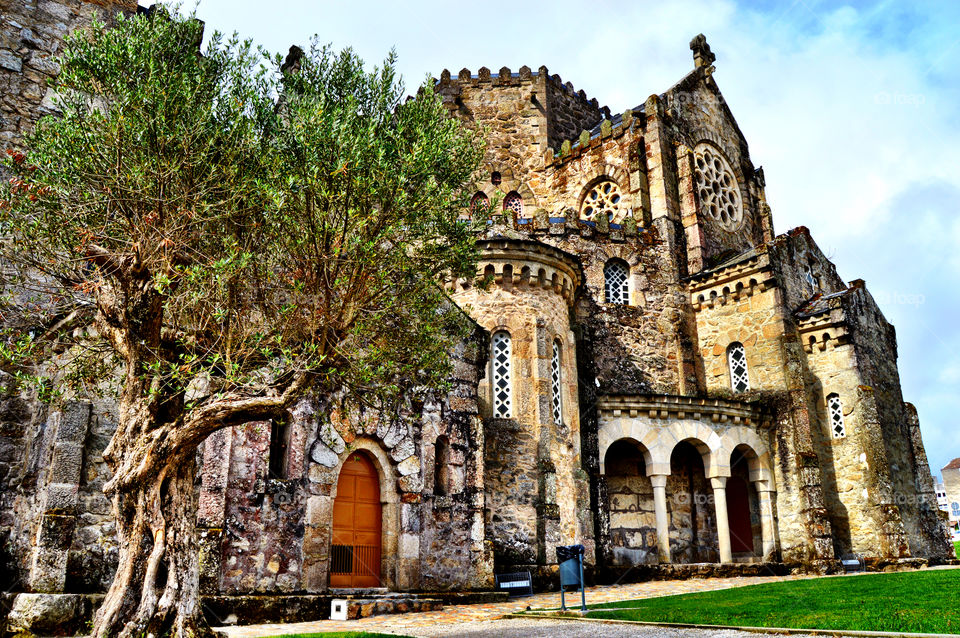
column 355, row 607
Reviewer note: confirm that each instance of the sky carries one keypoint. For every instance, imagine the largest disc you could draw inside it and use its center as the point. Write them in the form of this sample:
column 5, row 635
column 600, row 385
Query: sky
column 852, row 109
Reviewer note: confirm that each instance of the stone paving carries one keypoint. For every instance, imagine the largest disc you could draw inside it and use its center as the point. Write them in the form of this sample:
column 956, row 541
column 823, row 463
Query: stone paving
column 453, row 617
column 521, row 628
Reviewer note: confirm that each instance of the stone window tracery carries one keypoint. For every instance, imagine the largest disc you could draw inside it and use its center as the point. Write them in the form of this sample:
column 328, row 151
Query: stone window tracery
column 616, row 278
column 502, row 399
column 513, row 202
column 555, row 385
column 603, row 199
column 835, row 407
column 717, row 187
column 737, row 360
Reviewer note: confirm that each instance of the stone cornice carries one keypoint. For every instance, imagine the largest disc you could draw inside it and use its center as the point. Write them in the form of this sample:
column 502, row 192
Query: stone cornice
column 666, row 406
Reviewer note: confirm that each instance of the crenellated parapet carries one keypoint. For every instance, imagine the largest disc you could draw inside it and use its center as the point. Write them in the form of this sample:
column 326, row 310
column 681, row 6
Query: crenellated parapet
column 610, row 128
column 516, row 265
column 822, row 322
column 562, row 110
column 452, row 87
column 733, row 282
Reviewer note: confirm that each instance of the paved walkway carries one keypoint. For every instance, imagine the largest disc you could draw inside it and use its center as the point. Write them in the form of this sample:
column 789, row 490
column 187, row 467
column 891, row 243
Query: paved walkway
column 516, row 628
column 454, row 618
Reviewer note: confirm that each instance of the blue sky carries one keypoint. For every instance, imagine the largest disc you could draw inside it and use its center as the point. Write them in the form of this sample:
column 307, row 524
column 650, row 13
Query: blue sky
column 853, row 110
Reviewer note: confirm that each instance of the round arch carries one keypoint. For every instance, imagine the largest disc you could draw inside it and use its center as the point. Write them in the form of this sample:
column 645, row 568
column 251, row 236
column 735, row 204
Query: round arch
column 754, row 449
column 389, row 501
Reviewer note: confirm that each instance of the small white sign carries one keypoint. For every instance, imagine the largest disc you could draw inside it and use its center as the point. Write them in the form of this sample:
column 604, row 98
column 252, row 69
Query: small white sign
column 338, row 609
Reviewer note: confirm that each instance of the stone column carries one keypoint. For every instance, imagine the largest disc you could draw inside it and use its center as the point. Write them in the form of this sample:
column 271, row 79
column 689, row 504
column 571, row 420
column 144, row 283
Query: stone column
column 719, row 484
column 767, row 524
column 58, row 501
column 212, row 506
column 659, row 482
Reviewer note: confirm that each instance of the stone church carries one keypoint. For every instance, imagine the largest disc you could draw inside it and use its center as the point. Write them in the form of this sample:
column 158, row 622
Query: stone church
column 653, row 373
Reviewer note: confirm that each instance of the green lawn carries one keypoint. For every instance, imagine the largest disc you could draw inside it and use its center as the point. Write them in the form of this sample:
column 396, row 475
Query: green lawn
column 956, row 548
column 343, row 634
column 924, row 601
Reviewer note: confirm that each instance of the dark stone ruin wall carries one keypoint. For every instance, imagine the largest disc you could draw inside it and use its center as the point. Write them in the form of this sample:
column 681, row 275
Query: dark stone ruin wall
column 454, row 551
column 19, row 422
column 910, row 496
column 56, row 522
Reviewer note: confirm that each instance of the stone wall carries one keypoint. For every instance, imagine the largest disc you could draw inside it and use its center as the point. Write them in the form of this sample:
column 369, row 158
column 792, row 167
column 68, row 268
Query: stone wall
column 18, row 417
column 31, row 36
column 913, row 499
column 632, row 521
column 570, row 112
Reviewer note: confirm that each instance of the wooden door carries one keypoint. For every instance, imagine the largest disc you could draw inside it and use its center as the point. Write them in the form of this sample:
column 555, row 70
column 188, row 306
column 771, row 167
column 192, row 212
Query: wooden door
column 738, row 515
column 355, row 547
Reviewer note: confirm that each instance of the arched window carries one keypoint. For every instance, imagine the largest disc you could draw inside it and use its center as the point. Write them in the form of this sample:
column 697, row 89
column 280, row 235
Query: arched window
column 513, row 202
column 616, row 276
column 835, row 407
column 478, row 203
column 737, row 360
column 556, row 399
column 502, row 391
column 495, row 178
column 441, row 466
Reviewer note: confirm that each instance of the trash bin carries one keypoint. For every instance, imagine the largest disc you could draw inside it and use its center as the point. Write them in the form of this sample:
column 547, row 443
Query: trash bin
column 570, row 558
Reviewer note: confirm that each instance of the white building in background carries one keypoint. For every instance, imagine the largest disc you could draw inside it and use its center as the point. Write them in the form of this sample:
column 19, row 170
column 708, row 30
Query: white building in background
column 949, row 488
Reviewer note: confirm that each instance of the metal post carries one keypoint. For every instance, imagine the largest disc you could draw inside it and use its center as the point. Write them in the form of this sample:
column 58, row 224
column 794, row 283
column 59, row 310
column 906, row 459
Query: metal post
column 583, row 591
column 563, row 601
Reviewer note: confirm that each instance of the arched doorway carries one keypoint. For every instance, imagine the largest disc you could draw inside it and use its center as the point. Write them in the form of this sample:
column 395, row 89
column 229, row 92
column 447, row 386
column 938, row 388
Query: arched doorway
column 743, row 506
column 630, row 508
column 355, row 547
column 738, row 515
column 693, row 520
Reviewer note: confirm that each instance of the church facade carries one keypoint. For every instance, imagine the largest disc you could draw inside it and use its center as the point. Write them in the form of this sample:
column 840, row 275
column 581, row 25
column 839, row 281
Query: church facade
column 653, row 373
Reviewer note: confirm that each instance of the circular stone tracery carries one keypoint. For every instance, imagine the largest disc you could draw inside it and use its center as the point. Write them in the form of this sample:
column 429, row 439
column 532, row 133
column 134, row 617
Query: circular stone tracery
column 603, row 198
column 718, row 188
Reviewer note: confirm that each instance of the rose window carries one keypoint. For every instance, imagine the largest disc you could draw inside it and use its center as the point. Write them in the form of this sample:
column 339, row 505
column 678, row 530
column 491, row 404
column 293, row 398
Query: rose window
column 603, row 199
column 717, row 187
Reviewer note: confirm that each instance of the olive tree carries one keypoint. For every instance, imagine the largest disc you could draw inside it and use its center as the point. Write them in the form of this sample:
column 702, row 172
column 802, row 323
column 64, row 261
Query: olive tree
column 236, row 231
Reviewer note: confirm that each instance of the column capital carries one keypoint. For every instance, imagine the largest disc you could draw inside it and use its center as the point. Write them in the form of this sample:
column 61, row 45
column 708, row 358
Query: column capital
column 762, row 485
column 658, row 480
column 718, row 482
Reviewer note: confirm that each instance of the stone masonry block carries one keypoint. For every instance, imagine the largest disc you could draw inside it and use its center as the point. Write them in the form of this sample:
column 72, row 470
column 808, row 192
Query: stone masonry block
column 66, row 463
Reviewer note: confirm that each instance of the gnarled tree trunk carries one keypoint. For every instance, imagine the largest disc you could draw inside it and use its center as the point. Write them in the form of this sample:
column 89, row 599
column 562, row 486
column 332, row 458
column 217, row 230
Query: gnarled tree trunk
column 156, row 588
